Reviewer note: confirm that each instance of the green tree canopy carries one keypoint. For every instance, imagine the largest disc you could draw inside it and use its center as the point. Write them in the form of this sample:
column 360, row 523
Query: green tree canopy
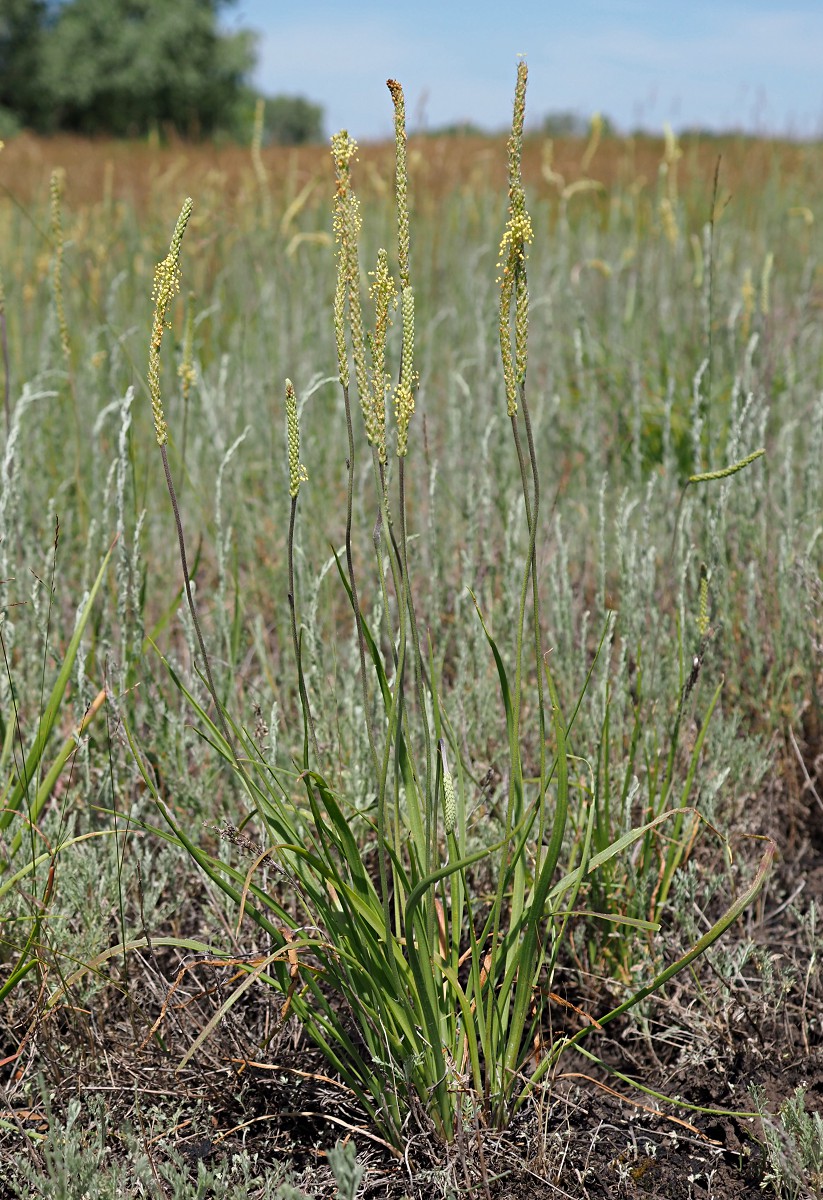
column 22, row 28
column 124, row 67
column 121, row 66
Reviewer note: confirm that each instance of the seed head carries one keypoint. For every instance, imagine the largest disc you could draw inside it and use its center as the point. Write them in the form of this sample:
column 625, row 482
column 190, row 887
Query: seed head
column 347, row 224
column 56, row 195
column 166, row 286
column 517, row 235
column 703, row 613
column 297, row 472
column 384, row 294
column 449, row 798
column 404, row 395
column 401, row 179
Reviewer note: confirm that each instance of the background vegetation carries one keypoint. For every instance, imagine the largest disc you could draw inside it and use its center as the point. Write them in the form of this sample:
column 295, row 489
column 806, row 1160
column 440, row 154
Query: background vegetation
column 115, row 67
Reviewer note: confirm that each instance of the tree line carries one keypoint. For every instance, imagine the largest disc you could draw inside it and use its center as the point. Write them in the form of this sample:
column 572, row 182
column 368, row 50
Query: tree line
column 128, row 67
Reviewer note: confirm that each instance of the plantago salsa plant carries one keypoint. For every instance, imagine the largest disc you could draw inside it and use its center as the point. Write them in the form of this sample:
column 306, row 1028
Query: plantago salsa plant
column 425, row 990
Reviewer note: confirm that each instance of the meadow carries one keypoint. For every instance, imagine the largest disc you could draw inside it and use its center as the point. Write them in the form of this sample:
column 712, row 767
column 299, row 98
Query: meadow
column 411, row 745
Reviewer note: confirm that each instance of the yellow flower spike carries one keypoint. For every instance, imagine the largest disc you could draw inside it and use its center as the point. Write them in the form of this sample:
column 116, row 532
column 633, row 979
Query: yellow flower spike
column 384, row 294
column 166, row 286
column 404, row 394
column 521, row 327
column 343, row 149
column 401, row 180
column 517, row 236
column 347, row 223
column 358, row 337
column 339, row 314
column 297, row 472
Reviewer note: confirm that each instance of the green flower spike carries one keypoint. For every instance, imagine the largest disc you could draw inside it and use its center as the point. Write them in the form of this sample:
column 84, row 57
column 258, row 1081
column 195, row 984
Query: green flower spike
column 297, row 472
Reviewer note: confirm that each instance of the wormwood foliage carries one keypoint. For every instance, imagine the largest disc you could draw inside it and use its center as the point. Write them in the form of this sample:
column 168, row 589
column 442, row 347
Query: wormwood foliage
column 407, row 965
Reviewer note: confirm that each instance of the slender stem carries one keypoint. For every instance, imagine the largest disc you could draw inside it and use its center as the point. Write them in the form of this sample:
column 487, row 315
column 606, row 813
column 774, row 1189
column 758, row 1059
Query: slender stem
column 4, row 346
column 304, row 698
column 398, row 716
column 538, row 640
column 516, row 760
column 418, row 663
column 707, row 399
column 379, row 775
column 358, row 616
column 192, row 608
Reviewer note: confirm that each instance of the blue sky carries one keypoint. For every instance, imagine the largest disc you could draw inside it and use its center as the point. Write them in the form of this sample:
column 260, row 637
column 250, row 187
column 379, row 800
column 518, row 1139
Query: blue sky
column 751, row 64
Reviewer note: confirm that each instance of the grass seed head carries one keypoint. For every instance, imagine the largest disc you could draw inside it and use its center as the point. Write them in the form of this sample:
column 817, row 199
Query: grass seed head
column 347, row 225
column 517, row 235
column 401, row 180
column 703, row 612
column 449, row 803
column 404, row 395
column 166, row 287
column 56, row 185
column 384, row 294
column 297, row 472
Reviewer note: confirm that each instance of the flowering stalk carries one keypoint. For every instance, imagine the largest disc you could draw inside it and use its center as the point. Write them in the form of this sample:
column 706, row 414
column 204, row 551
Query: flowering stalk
column 297, row 475
column 346, row 221
column 56, row 194
column 166, row 287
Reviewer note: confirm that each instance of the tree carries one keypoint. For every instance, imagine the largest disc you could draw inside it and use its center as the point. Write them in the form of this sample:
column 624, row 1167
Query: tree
column 23, row 25
column 293, row 120
column 123, row 66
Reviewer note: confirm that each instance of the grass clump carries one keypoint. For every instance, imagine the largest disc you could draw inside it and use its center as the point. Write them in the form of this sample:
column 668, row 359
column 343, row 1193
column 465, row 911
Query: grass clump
column 424, row 977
